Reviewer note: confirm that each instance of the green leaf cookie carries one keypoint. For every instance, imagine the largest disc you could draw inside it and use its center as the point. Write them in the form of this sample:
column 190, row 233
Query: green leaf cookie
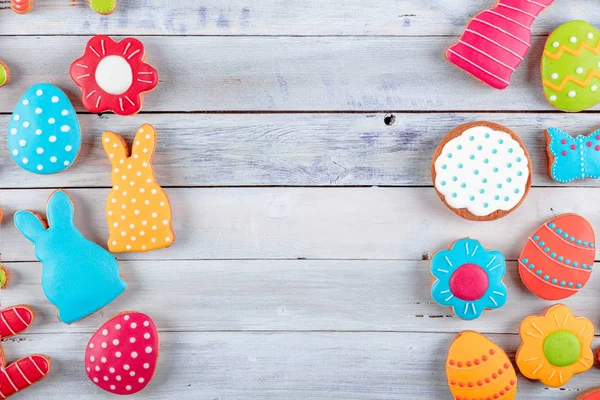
column 103, row 6
column 4, row 74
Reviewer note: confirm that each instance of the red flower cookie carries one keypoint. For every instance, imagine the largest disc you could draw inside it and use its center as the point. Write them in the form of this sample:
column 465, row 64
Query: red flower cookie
column 113, row 76
column 122, row 355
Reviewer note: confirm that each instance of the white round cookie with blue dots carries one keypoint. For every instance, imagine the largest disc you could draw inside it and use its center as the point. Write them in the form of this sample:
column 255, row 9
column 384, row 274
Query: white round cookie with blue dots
column 44, row 135
column 482, row 171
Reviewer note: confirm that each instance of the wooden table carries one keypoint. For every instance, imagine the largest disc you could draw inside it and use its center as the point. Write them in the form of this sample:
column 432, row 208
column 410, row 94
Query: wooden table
column 303, row 221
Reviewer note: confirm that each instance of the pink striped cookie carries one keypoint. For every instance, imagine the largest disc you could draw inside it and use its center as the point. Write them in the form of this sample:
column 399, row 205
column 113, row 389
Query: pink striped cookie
column 495, row 41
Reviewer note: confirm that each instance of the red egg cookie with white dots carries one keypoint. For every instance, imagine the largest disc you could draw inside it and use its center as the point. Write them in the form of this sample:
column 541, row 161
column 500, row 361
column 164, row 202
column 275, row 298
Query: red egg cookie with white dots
column 122, row 355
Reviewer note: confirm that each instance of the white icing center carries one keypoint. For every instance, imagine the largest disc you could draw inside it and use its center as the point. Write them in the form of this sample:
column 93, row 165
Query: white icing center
column 483, row 171
column 114, row 75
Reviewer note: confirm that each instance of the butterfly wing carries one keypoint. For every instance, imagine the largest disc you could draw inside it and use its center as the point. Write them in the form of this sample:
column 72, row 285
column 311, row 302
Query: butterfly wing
column 568, row 164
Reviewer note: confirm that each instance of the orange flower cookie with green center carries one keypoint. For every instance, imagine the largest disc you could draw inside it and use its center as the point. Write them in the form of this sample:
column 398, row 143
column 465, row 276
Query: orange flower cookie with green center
column 137, row 208
column 477, row 368
column 555, row 346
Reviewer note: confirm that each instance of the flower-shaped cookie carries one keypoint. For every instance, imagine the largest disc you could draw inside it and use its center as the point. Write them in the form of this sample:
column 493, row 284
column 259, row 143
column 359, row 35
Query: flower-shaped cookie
column 468, row 278
column 555, row 346
column 113, row 76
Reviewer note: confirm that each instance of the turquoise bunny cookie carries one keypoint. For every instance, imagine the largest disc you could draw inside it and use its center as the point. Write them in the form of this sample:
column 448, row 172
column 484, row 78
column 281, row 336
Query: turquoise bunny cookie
column 79, row 277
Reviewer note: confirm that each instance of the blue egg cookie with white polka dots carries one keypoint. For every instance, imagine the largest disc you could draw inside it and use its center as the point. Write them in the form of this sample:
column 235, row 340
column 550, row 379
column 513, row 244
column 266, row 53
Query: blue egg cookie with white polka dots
column 481, row 171
column 44, row 135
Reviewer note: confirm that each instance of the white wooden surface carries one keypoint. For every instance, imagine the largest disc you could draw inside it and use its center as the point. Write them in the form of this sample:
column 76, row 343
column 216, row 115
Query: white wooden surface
column 292, row 277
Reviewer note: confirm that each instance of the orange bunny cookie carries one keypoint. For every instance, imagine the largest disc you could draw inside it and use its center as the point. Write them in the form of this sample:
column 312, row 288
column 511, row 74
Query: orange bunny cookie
column 137, row 208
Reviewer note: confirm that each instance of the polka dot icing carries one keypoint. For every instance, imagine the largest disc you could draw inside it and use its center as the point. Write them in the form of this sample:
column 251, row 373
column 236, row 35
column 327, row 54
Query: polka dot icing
column 36, row 144
column 138, row 210
column 482, row 168
column 570, row 67
column 118, row 364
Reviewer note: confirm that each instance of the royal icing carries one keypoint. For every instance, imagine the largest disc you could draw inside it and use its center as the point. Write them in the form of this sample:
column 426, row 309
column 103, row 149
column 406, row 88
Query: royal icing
column 477, row 368
column 592, row 394
column 4, row 277
column 44, row 135
column 573, row 158
column 26, row 371
column 482, row 170
column 22, row 6
column 557, row 259
column 121, row 357
column 79, row 277
column 495, row 41
column 103, row 7
column 138, row 210
column 468, row 278
column 15, row 320
column 4, row 74
column 571, row 66
column 555, row 346
column 113, row 75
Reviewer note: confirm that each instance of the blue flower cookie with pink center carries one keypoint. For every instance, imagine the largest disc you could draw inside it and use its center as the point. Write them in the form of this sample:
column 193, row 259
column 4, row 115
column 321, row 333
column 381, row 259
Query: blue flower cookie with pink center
column 468, row 278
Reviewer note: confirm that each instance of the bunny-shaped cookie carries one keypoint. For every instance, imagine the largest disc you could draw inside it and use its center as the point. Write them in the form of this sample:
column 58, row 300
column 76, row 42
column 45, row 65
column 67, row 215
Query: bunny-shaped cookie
column 79, row 277
column 138, row 210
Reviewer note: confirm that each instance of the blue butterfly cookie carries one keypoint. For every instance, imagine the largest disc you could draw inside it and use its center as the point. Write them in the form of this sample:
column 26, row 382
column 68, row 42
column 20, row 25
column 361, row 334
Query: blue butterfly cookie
column 79, row 277
column 44, row 135
column 572, row 158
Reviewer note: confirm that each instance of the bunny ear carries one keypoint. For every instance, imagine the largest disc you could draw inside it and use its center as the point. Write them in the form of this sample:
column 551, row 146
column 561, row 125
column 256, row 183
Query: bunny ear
column 145, row 142
column 114, row 147
column 60, row 209
column 30, row 225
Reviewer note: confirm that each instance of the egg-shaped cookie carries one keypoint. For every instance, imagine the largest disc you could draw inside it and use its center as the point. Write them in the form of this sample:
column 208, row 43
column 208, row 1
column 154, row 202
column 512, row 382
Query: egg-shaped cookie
column 571, row 67
column 557, row 259
column 476, row 368
column 481, row 171
column 44, row 135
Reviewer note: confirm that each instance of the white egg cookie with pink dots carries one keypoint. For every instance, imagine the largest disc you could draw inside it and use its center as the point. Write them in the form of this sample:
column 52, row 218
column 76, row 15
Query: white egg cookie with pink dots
column 121, row 357
column 481, row 171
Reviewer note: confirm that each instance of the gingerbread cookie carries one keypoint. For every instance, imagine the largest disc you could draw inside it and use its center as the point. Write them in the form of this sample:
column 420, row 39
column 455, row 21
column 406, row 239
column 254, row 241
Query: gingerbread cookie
column 481, row 171
column 4, row 277
column 79, row 277
column 592, row 394
column 477, row 368
column 22, row 6
column 571, row 67
column 557, row 260
column 4, row 74
column 468, row 278
column 138, row 210
column 572, row 158
column 44, row 135
column 26, row 371
column 555, row 346
column 113, row 76
column 121, row 357
column 495, row 42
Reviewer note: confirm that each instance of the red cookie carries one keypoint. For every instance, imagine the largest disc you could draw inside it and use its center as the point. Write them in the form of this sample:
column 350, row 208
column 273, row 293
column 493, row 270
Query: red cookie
column 15, row 320
column 592, row 394
column 557, row 260
column 121, row 357
column 113, row 76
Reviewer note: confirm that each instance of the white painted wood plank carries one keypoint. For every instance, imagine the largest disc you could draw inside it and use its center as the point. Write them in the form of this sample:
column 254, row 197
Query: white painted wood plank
column 324, row 223
column 299, row 295
column 287, row 73
column 281, row 17
column 248, row 366
column 291, row 149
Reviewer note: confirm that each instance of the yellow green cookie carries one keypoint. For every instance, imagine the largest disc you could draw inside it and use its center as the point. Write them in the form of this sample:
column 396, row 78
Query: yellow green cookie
column 571, row 66
column 4, row 74
column 103, row 6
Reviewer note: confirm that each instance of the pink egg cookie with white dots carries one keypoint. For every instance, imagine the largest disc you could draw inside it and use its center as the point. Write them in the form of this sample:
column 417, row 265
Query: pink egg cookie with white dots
column 121, row 357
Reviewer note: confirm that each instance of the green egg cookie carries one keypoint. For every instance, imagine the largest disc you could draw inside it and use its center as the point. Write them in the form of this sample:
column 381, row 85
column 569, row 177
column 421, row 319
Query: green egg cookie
column 103, row 6
column 571, row 67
